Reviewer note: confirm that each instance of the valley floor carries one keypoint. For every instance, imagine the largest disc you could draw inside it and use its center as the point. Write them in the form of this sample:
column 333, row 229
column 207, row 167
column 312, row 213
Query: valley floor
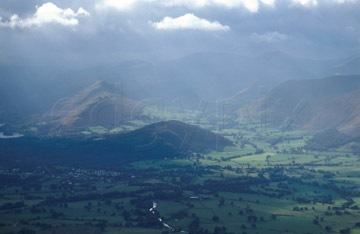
column 269, row 182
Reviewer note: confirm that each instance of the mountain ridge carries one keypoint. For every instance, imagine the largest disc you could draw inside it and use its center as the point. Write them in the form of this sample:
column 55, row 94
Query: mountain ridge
column 101, row 103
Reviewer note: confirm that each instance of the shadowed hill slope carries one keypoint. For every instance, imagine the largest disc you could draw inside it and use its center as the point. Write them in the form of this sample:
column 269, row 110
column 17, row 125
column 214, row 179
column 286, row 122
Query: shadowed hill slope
column 164, row 139
column 181, row 136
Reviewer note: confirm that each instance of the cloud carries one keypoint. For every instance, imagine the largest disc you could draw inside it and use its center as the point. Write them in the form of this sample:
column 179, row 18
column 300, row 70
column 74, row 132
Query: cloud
column 250, row 5
column 314, row 3
column 349, row 28
column 48, row 13
column 268, row 2
column 270, row 37
column 187, row 3
column 307, row 3
column 121, row 5
column 189, row 21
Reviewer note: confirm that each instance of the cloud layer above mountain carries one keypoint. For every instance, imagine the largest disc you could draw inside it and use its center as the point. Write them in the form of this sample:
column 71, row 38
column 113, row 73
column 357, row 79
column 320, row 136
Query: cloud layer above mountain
column 93, row 32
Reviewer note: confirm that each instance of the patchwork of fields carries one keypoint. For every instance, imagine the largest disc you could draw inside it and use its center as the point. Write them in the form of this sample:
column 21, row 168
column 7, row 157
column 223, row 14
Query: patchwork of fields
column 259, row 185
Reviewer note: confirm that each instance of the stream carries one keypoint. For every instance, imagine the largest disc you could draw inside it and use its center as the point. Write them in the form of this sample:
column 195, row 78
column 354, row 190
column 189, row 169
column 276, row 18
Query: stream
column 160, row 219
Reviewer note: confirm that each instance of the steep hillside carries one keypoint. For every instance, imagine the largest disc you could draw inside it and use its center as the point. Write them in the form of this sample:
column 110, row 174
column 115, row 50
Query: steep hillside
column 313, row 104
column 100, row 104
column 341, row 112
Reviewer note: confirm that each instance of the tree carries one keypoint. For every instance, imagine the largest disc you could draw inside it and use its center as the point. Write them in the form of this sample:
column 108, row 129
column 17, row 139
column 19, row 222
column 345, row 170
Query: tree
column 268, row 159
column 215, row 218
column 27, row 231
column 252, row 218
column 345, row 231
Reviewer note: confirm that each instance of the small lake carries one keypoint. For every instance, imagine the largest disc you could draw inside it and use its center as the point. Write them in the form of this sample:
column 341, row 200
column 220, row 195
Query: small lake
column 14, row 135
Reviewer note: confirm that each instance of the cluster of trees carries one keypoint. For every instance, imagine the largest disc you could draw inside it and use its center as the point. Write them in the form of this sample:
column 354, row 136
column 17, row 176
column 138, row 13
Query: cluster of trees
column 327, row 139
column 12, row 206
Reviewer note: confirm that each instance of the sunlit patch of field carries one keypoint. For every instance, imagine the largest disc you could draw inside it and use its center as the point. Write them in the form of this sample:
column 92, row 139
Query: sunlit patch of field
column 98, row 129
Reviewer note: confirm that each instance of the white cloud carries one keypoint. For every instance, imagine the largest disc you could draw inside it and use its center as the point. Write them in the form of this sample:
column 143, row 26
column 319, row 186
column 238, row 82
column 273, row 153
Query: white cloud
column 250, row 5
column 189, row 21
column 307, row 3
column 268, row 2
column 349, row 28
column 228, row 3
column 270, row 37
column 314, row 3
column 341, row 1
column 48, row 13
column 120, row 5
column 186, row 3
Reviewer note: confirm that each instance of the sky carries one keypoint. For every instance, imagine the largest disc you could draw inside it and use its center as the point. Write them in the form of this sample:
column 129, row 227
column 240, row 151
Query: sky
column 83, row 33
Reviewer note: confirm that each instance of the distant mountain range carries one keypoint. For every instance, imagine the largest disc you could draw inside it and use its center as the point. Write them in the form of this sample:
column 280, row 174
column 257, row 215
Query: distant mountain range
column 208, row 75
column 164, row 139
column 327, row 103
column 203, row 76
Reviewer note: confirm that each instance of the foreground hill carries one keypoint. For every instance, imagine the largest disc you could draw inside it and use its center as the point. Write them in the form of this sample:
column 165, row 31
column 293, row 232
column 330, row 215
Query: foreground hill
column 181, row 136
column 99, row 104
column 164, row 139
column 332, row 102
